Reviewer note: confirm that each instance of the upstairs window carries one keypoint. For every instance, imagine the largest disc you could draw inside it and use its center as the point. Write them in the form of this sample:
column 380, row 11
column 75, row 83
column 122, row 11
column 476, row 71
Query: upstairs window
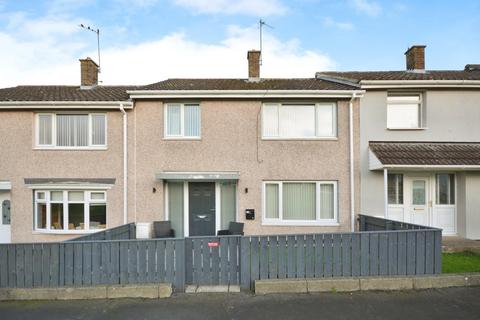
column 71, row 131
column 299, row 121
column 182, row 120
column 404, row 111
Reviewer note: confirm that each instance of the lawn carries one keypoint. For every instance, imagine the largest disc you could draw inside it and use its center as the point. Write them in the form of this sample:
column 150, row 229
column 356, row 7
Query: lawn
column 460, row 262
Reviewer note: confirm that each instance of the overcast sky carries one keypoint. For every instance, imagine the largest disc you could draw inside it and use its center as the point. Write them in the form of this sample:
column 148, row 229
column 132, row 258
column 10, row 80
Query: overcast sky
column 145, row 41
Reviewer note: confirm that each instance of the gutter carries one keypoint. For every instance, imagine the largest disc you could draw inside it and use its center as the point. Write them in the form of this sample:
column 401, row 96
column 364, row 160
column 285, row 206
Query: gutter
column 125, row 168
column 378, row 84
column 64, row 104
column 151, row 94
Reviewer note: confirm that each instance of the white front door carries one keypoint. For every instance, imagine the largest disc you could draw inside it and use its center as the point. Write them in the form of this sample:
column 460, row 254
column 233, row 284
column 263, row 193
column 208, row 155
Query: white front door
column 5, row 234
column 417, row 200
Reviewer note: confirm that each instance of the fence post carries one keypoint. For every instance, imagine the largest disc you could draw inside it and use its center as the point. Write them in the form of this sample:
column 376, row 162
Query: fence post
column 362, row 223
column 245, row 263
column 388, row 225
column 179, row 282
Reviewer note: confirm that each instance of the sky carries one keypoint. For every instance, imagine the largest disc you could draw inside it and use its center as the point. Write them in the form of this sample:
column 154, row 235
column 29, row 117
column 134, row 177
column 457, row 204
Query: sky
column 145, row 41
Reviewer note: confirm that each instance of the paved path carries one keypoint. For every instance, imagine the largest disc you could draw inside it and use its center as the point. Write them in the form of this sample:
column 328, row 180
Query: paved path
column 454, row 303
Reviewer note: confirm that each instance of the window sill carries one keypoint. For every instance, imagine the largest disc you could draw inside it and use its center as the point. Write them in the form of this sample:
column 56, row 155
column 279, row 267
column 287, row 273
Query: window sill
column 300, row 139
column 183, row 138
column 407, row 129
column 73, row 232
column 70, row 149
column 301, row 223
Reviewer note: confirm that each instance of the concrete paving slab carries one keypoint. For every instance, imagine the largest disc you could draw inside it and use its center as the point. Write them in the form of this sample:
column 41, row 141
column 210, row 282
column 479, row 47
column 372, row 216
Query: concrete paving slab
column 212, row 289
column 99, row 292
column 439, row 281
column 191, row 289
column 28, row 294
column 133, row 291
column 281, row 286
column 390, row 283
column 165, row 290
column 233, row 288
column 333, row 285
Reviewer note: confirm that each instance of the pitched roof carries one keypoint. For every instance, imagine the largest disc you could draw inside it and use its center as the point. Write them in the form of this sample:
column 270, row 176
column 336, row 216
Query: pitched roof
column 426, row 153
column 357, row 76
column 65, row 93
column 245, row 84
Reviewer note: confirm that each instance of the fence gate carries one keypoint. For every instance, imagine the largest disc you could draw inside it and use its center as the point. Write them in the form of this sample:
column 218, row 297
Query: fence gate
column 212, row 260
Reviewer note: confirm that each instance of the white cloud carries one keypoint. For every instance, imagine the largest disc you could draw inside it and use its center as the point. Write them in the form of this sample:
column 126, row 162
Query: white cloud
column 247, row 7
column 39, row 61
column 366, row 6
column 345, row 26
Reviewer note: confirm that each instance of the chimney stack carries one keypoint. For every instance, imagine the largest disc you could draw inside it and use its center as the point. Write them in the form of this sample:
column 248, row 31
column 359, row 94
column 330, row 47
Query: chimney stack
column 416, row 57
column 253, row 57
column 88, row 72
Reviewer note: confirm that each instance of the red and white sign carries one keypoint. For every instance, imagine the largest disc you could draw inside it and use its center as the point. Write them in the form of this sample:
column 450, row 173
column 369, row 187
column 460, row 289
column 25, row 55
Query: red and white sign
column 213, row 244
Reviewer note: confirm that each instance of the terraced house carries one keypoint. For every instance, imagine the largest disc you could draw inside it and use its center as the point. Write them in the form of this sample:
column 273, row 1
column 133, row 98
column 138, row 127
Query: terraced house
column 279, row 155
column 420, row 144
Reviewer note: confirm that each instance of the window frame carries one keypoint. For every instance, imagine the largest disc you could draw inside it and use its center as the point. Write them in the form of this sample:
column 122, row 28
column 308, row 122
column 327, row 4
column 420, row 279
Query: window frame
column 86, row 202
column 317, row 222
column 452, row 176
column 421, row 121
column 402, row 190
column 315, row 105
column 182, row 135
column 53, row 145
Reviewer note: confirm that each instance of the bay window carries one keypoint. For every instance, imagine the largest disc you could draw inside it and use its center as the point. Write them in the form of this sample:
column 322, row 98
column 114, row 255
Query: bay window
column 182, row 120
column 71, row 131
column 70, row 210
column 299, row 121
column 300, row 203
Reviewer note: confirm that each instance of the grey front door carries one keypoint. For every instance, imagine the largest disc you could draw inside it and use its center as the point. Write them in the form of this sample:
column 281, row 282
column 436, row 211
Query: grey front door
column 201, row 200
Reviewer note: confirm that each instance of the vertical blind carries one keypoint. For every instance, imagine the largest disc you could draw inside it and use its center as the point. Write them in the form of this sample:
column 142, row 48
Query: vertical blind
column 271, row 201
column 299, row 121
column 299, row 201
column 71, row 130
column 45, row 129
column 98, row 129
column 173, row 120
column 327, row 205
column 192, row 120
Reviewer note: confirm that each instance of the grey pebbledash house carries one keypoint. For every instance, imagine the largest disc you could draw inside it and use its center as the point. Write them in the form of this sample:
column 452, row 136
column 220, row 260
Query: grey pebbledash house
column 280, row 155
column 420, row 144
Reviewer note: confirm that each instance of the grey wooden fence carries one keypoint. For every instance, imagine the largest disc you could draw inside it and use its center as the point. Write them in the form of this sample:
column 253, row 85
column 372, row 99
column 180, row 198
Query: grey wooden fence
column 405, row 250
column 86, row 263
column 126, row 231
column 370, row 223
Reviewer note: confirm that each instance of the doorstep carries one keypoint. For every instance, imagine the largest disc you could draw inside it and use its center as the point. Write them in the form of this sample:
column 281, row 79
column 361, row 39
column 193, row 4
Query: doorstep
column 366, row 283
column 151, row 291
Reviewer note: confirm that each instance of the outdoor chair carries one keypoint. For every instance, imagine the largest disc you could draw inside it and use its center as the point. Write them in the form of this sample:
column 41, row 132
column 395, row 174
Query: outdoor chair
column 163, row 229
column 234, row 228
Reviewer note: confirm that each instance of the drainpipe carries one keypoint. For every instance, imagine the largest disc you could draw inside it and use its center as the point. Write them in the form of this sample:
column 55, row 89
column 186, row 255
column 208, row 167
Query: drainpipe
column 125, row 168
column 352, row 164
column 385, row 192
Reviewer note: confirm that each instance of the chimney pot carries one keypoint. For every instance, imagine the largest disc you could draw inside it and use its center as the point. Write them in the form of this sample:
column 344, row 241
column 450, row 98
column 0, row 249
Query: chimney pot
column 88, row 72
column 253, row 57
column 415, row 56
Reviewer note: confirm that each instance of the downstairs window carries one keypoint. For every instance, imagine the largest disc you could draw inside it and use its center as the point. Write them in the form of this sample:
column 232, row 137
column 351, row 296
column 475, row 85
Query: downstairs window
column 300, row 203
column 70, row 211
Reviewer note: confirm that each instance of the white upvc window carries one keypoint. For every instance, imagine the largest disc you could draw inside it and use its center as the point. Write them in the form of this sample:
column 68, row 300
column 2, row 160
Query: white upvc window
column 299, row 121
column 71, row 131
column 70, row 211
column 404, row 111
column 301, row 203
column 182, row 120
column 445, row 189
